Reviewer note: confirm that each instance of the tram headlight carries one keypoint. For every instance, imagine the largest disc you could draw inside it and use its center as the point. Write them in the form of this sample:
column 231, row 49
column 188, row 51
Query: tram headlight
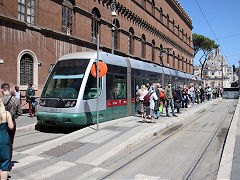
column 67, row 103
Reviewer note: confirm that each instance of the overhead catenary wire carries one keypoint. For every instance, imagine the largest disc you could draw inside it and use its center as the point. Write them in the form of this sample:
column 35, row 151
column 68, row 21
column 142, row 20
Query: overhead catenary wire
column 210, row 27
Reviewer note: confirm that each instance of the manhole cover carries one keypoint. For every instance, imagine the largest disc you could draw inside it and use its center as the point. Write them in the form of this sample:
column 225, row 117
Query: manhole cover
column 63, row 149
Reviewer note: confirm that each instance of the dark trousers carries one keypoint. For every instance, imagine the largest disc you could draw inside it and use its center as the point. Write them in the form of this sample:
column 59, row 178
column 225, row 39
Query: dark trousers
column 11, row 133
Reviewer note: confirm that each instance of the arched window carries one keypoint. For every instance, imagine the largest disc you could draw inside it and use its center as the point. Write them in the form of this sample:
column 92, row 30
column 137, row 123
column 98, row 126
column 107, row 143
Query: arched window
column 167, row 20
column 116, row 26
column 67, row 16
column 26, row 70
column 153, row 7
column 161, row 15
column 96, row 15
column 178, row 57
column 143, row 46
column 186, row 65
column 178, row 30
column 131, row 43
column 182, row 63
column 161, row 52
column 173, row 26
column 173, row 60
column 143, row 3
column 153, row 50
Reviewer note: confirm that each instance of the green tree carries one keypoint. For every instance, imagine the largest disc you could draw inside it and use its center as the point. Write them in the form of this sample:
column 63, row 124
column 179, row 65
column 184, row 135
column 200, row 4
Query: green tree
column 204, row 44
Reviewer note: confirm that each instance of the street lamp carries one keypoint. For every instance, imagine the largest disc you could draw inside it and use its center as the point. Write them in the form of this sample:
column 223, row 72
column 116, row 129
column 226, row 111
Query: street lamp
column 163, row 52
column 113, row 14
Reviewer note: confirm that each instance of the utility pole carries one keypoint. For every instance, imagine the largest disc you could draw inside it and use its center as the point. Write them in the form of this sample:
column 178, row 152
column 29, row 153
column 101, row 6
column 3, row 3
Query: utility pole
column 222, row 73
column 239, row 75
column 113, row 14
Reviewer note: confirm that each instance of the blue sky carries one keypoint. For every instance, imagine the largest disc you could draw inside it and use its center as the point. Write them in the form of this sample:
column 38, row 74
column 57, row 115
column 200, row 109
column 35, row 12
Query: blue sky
column 223, row 17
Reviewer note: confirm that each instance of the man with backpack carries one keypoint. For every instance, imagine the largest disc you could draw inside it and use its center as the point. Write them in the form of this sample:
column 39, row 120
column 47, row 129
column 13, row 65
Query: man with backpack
column 169, row 99
column 12, row 104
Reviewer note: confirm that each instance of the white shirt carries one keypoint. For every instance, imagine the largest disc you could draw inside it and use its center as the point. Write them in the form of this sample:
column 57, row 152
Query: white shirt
column 151, row 100
column 17, row 94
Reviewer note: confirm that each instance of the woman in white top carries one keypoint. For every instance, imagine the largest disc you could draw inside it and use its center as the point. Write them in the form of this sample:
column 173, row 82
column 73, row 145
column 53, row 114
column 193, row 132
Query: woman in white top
column 141, row 93
column 153, row 98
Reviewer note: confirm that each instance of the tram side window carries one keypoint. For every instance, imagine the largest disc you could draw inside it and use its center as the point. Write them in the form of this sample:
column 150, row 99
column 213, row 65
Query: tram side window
column 116, row 87
column 91, row 88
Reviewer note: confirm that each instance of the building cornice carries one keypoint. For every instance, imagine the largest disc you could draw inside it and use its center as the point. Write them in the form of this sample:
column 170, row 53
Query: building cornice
column 176, row 6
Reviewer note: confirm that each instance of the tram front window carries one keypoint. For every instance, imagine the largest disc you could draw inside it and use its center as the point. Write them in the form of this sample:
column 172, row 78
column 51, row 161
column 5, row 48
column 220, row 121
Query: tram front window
column 65, row 80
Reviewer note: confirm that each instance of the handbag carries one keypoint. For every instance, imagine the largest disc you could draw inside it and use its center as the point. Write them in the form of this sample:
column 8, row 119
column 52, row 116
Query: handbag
column 34, row 104
column 161, row 108
column 161, row 94
column 156, row 105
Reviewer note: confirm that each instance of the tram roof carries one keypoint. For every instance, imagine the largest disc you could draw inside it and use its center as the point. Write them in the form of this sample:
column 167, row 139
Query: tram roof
column 136, row 64
column 105, row 57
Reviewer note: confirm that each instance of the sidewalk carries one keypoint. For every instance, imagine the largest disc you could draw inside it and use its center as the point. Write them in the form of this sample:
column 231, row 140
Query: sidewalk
column 230, row 161
column 25, row 123
column 86, row 149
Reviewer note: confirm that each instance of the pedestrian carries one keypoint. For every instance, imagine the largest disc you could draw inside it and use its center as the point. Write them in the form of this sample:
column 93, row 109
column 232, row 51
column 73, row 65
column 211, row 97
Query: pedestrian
column 30, row 93
column 157, row 104
column 169, row 99
column 178, row 98
column 17, row 92
column 162, row 98
column 12, row 104
column 192, row 93
column 5, row 143
column 140, row 95
column 201, row 93
column 153, row 102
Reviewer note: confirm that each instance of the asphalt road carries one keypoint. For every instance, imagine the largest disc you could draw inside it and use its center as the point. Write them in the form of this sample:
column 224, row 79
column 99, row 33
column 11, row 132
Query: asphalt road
column 193, row 152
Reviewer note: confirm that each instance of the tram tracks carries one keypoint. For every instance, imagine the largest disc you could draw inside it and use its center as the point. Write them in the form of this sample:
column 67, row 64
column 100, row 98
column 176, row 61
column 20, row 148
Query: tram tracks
column 200, row 114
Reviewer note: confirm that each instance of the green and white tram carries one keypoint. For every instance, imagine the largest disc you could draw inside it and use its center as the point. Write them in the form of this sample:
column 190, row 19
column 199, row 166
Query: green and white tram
column 69, row 96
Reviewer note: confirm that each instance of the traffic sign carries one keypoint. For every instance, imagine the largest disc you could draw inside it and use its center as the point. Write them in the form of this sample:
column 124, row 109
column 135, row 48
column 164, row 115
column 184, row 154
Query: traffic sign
column 102, row 69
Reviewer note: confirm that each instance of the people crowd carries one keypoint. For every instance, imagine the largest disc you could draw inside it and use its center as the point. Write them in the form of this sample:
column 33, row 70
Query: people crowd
column 153, row 99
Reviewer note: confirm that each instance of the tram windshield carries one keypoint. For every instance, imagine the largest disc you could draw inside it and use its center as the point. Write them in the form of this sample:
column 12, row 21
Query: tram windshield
column 65, row 79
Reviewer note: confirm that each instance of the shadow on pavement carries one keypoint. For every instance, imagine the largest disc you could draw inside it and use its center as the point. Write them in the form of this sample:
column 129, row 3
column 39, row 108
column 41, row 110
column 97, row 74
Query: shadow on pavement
column 53, row 129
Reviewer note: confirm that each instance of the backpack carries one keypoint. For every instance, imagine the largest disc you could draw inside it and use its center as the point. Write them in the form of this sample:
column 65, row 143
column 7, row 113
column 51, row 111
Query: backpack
column 146, row 99
column 161, row 94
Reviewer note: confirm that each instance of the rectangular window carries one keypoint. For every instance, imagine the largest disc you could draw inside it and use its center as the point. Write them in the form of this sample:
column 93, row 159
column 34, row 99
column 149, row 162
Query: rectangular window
column 26, row 11
column 21, row 10
column 116, row 87
column 67, row 20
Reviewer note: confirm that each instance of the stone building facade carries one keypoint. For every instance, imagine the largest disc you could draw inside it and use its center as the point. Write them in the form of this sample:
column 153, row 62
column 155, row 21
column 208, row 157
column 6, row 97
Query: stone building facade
column 35, row 33
column 212, row 71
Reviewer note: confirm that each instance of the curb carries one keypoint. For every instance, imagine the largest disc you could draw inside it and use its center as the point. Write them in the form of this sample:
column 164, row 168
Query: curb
column 26, row 128
column 225, row 168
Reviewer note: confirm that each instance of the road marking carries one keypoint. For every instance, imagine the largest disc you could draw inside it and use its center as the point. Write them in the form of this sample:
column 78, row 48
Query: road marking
column 51, row 170
column 99, row 137
column 89, row 173
column 26, row 161
column 146, row 177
